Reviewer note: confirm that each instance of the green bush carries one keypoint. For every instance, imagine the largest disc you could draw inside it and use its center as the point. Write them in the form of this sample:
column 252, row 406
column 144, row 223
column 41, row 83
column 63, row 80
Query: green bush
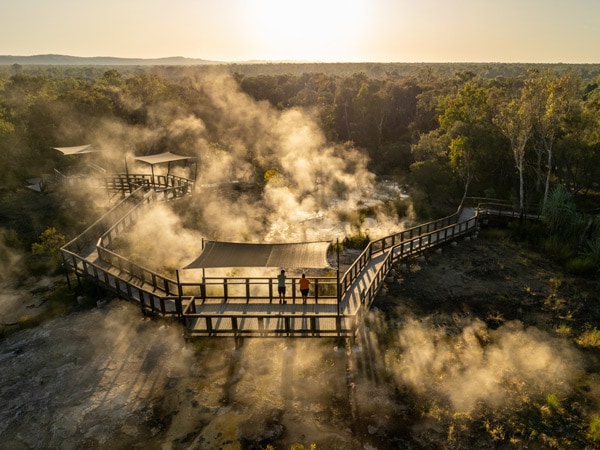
column 357, row 240
column 402, row 207
column 558, row 249
column 48, row 247
column 593, row 250
column 590, row 338
column 582, row 265
column 527, row 231
column 594, row 429
column 422, row 206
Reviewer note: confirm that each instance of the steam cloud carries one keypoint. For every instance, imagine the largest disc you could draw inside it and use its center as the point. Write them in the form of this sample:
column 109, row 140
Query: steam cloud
column 314, row 187
column 480, row 365
column 11, row 261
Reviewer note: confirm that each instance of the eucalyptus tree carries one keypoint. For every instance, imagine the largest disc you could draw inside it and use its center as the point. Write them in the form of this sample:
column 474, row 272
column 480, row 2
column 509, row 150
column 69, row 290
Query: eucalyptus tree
column 514, row 121
column 464, row 116
column 551, row 100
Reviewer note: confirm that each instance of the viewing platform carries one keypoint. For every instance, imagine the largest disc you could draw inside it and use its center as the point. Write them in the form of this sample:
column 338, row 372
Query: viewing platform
column 249, row 307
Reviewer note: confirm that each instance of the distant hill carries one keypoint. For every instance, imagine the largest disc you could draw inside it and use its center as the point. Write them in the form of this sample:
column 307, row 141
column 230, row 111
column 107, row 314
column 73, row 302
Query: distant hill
column 65, row 60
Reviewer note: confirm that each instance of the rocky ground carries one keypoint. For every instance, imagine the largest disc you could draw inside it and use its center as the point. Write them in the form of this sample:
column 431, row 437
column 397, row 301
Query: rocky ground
column 484, row 345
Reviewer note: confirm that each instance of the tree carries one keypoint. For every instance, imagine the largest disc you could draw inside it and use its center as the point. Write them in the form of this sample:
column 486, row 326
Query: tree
column 514, row 121
column 49, row 246
column 550, row 99
column 464, row 117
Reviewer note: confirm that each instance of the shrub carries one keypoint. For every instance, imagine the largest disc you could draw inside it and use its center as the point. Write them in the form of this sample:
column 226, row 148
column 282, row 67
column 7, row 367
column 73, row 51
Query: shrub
column 527, row 231
column 560, row 214
column 422, row 206
column 358, row 240
column 594, row 429
column 590, row 338
column 582, row 265
column 402, row 207
column 558, row 249
column 49, row 245
column 593, row 250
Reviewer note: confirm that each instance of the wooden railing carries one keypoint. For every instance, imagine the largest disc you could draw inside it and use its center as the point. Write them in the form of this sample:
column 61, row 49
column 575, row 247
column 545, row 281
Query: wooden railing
column 258, row 289
column 158, row 282
column 411, row 247
column 101, row 234
column 170, row 185
column 380, row 245
column 150, row 301
column 505, row 210
column 93, row 232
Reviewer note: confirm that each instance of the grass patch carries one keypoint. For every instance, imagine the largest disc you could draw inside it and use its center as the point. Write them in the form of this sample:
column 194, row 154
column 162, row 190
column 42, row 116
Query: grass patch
column 558, row 249
column 589, row 338
column 582, row 266
column 564, row 330
column 594, row 429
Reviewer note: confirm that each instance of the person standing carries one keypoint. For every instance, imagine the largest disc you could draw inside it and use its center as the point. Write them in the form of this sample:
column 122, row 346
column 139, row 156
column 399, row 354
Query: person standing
column 281, row 286
column 304, row 286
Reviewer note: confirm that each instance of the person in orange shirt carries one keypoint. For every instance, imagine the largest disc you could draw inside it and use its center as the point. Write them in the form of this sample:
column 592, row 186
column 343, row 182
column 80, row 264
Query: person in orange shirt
column 304, row 285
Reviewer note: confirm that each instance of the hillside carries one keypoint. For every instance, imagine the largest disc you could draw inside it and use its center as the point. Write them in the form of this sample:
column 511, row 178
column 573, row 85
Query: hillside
column 66, row 60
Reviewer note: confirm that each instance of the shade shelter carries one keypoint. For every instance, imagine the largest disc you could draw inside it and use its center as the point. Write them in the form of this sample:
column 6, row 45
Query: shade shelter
column 165, row 158
column 74, row 167
column 232, row 254
column 77, row 150
column 215, row 254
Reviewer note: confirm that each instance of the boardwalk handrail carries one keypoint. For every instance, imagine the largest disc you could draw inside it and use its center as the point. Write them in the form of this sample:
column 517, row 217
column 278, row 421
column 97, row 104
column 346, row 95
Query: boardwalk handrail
column 504, row 210
column 380, row 245
column 172, row 186
column 91, row 233
column 257, row 288
column 414, row 246
column 149, row 301
column 160, row 283
column 102, row 232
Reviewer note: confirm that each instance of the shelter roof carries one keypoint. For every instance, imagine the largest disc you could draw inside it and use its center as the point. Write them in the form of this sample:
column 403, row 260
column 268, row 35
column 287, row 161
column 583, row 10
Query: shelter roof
column 161, row 158
column 231, row 254
column 77, row 150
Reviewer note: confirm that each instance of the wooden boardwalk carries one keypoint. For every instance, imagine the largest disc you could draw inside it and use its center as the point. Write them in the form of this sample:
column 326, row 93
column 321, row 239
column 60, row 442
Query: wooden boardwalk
column 337, row 314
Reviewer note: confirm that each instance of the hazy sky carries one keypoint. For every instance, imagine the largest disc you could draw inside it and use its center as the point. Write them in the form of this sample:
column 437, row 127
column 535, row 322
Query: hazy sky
column 322, row 30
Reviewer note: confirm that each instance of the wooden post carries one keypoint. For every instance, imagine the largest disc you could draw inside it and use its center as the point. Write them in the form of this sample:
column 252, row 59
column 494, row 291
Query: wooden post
column 66, row 274
column 338, row 288
column 179, row 305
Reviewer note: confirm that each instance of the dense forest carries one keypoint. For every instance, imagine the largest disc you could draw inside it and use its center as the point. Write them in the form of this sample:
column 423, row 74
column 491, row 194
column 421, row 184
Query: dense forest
column 525, row 133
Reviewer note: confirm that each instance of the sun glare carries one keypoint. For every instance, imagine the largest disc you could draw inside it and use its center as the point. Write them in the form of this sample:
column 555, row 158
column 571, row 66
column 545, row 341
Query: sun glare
column 324, row 30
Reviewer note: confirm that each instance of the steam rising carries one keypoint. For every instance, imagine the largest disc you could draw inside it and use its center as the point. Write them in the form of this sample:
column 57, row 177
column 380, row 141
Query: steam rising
column 11, row 261
column 497, row 368
column 310, row 189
